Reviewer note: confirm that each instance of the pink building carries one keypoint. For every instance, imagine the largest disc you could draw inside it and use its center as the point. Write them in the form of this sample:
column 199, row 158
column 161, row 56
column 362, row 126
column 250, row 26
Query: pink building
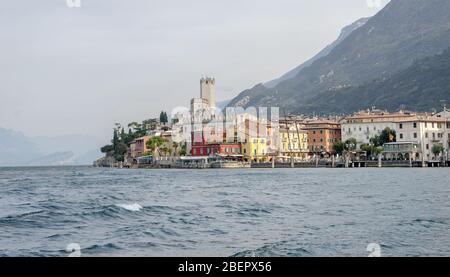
column 140, row 147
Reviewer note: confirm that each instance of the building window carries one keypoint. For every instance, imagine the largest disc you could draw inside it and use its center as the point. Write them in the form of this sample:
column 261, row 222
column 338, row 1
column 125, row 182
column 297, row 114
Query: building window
column 432, row 125
column 439, row 125
column 401, row 136
column 428, row 147
column 426, row 135
column 434, row 135
column 415, row 135
column 415, row 125
column 401, row 125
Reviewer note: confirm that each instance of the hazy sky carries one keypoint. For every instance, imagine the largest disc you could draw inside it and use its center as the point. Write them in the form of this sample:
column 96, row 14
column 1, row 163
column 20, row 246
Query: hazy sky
column 78, row 70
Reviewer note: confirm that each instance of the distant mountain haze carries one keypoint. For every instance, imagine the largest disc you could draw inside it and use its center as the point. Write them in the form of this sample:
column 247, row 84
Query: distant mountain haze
column 16, row 149
column 404, row 32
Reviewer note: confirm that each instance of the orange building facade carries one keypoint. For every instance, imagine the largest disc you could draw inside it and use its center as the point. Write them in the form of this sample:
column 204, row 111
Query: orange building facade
column 322, row 135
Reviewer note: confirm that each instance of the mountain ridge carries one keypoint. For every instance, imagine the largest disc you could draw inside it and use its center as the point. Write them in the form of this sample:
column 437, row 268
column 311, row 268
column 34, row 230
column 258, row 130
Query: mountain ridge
column 400, row 34
column 347, row 30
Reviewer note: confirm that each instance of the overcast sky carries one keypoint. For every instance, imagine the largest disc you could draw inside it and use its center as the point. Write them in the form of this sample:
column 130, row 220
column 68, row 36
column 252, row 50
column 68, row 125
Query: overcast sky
column 79, row 70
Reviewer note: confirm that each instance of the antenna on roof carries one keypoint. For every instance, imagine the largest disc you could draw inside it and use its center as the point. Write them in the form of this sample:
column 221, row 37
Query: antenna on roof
column 444, row 104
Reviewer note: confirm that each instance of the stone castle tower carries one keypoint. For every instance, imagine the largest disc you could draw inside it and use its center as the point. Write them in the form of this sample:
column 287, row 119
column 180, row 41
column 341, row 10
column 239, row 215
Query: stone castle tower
column 208, row 90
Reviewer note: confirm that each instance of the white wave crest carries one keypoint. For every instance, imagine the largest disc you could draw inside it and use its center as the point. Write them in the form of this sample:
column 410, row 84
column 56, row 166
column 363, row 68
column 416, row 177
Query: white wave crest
column 130, row 207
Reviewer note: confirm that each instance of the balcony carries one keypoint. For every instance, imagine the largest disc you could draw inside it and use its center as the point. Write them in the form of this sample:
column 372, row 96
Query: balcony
column 401, row 147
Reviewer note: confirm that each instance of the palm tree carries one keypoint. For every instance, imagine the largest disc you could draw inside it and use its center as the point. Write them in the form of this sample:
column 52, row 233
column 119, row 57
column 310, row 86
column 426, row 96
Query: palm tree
column 154, row 144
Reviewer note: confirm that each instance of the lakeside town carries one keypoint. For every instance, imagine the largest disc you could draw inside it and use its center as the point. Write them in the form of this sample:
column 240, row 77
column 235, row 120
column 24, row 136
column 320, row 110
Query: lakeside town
column 205, row 136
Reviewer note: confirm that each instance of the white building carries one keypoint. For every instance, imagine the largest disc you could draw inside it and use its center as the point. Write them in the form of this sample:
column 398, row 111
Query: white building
column 446, row 115
column 199, row 106
column 425, row 131
column 363, row 126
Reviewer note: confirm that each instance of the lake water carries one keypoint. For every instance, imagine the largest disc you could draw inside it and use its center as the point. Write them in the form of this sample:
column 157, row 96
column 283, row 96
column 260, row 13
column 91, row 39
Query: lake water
column 250, row 212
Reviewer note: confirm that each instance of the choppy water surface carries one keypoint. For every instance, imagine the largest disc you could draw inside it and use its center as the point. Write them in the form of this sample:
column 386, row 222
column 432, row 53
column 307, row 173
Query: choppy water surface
column 280, row 212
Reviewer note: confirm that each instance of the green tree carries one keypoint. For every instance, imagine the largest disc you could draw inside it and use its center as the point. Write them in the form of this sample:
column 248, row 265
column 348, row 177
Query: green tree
column 376, row 141
column 350, row 144
column 437, row 149
column 107, row 149
column 154, row 144
column 138, row 130
column 388, row 135
column 123, row 136
column 339, row 147
column 163, row 118
column 122, row 149
column 164, row 150
column 115, row 141
column 183, row 151
column 371, row 150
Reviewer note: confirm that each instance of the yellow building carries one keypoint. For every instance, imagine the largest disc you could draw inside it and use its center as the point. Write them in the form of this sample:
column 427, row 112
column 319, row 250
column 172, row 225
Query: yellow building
column 255, row 150
column 255, row 147
column 293, row 143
